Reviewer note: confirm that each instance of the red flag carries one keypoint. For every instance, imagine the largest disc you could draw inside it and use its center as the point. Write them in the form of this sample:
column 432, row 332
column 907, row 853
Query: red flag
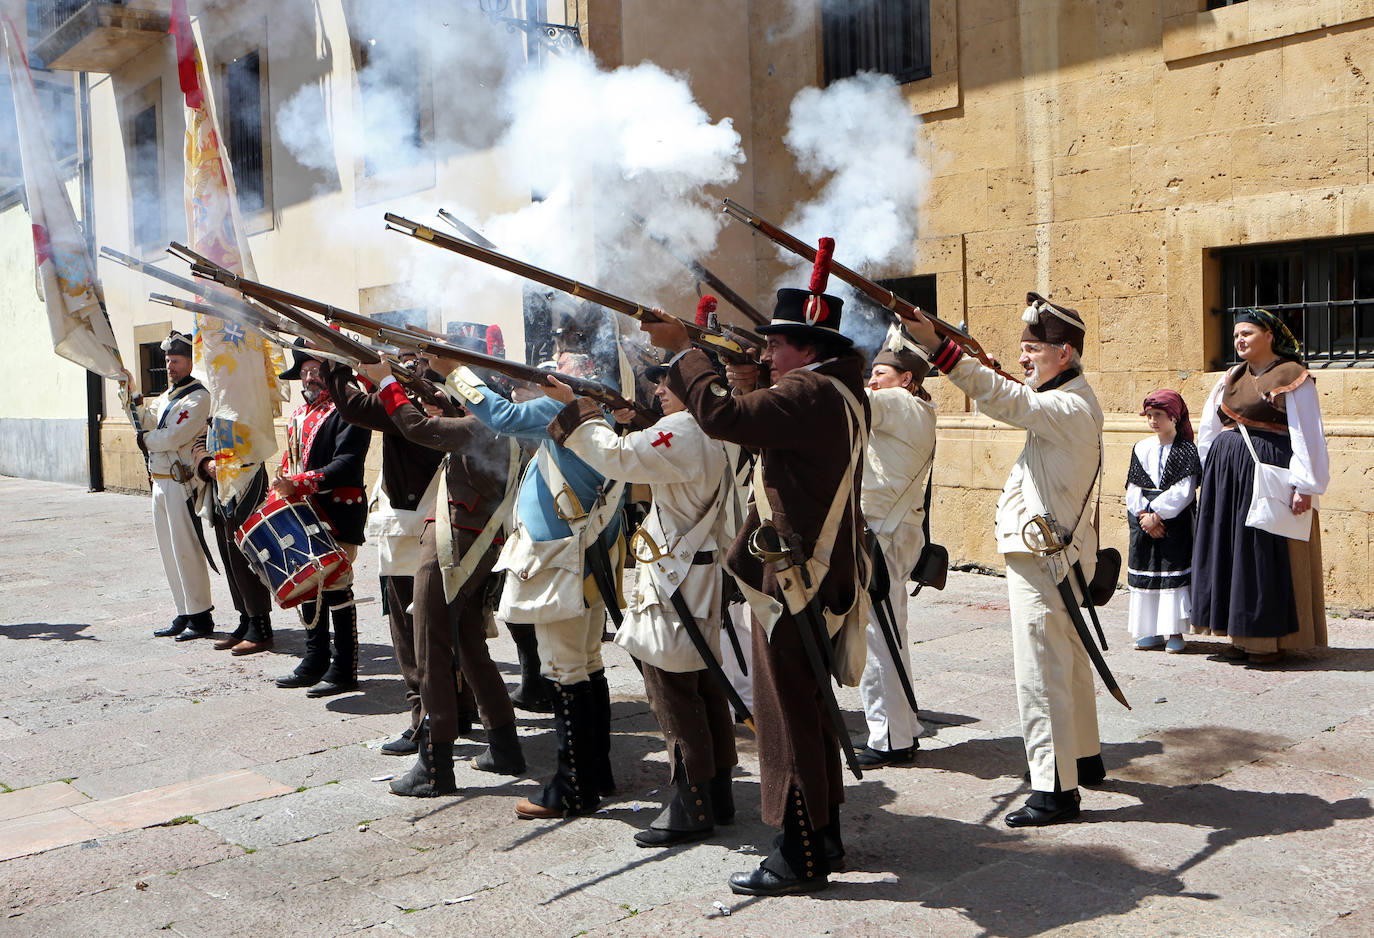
column 180, row 27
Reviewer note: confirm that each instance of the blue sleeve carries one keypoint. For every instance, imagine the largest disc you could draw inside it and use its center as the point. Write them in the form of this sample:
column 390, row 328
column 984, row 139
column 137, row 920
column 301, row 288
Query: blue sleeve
column 529, row 419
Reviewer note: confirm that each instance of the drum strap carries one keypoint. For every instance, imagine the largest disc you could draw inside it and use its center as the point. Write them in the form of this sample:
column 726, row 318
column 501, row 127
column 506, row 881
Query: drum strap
column 457, row 571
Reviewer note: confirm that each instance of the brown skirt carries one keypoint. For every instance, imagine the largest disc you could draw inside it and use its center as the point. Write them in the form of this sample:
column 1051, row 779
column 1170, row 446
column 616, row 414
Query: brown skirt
column 1309, row 593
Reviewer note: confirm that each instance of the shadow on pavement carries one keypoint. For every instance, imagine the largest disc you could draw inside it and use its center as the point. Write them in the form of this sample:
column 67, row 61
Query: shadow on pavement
column 47, row 631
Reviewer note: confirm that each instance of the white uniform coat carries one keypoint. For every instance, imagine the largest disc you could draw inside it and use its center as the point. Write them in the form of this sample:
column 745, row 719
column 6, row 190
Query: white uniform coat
column 686, row 472
column 1054, row 676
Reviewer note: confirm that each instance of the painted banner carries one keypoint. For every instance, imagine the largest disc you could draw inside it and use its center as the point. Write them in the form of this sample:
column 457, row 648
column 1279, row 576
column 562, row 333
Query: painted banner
column 80, row 329
column 240, row 368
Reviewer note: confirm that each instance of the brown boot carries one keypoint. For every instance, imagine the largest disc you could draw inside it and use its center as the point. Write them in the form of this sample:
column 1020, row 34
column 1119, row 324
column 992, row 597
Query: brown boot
column 234, row 637
column 257, row 638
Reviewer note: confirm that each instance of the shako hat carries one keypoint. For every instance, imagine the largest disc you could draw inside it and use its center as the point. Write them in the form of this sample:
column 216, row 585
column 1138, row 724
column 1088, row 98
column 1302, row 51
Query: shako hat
column 813, row 313
column 1051, row 323
column 300, row 353
column 177, row 343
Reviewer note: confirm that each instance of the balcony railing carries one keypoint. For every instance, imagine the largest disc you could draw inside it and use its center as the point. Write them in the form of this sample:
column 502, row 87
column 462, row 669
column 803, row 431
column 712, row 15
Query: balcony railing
column 96, row 35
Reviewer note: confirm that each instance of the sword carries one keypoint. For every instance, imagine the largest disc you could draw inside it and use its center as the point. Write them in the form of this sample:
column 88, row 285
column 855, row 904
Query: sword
column 693, row 630
column 766, row 544
column 599, row 564
column 1081, row 627
column 879, row 589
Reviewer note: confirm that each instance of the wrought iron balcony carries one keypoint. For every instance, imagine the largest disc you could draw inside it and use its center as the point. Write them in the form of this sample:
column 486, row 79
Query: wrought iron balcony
column 96, row 35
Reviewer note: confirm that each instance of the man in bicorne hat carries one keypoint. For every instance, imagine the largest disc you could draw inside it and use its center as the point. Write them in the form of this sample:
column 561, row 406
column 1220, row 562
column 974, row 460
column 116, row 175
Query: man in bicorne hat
column 809, row 428
column 1055, row 474
column 173, row 422
column 901, row 451
column 323, row 462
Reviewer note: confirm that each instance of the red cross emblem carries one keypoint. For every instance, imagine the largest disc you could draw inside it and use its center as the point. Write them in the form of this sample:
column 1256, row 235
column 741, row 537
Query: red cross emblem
column 183, row 415
column 663, row 438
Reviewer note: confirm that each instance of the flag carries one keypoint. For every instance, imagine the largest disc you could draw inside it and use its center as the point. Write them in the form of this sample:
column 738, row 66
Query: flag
column 240, row 368
column 80, row 329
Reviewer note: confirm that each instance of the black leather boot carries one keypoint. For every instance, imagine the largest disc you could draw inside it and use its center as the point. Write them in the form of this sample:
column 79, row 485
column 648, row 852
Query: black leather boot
column 176, row 628
column 234, row 637
column 200, row 625
column 797, row 863
column 572, row 790
column 687, row 818
column 534, row 694
column 342, row 675
column 258, row 638
column 723, row 795
column 403, row 745
column 432, row 775
column 503, row 755
column 1046, row 807
column 316, row 660
column 601, row 767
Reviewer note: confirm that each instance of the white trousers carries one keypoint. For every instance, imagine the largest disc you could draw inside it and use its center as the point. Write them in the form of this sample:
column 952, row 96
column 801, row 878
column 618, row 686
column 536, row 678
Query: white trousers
column 570, row 649
column 1054, row 676
column 182, row 558
column 891, row 723
column 743, row 683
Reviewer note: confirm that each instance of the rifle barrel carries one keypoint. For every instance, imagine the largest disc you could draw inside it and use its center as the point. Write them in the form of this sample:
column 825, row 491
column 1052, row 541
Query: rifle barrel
column 704, row 274
column 878, row 294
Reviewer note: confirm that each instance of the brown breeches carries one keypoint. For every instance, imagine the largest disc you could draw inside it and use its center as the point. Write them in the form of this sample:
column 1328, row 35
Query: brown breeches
column 698, row 727
column 434, row 651
column 400, row 590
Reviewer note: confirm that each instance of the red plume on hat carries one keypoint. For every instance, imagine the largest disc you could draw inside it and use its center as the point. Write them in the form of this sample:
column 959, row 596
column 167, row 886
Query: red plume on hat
column 817, row 310
column 496, row 343
column 705, row 307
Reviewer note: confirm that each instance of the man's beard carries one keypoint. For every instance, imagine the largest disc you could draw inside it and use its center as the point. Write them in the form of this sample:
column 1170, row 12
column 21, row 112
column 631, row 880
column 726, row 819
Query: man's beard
column 313, row 393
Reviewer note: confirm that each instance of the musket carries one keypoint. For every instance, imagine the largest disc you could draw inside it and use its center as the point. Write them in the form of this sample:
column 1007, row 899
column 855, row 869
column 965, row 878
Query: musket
column 728, row 348
column 884, row 297
column 584, row 387
column 703, row 273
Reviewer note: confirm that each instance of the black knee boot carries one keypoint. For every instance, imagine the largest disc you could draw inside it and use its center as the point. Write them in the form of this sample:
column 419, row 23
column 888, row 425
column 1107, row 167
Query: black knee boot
column 432, row 775
column 797, row 863
column 342, row 675
column 601, row 767
column 316, row 660
column 572, row 790
column 534, row 693
column 688, row 817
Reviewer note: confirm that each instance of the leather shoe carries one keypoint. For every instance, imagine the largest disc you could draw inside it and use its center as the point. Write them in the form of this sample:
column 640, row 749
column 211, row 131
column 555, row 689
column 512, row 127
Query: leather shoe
column 330, row 688
column 297, row 679
column 189, row 634
column 403, row 745
column 656, row 837
column 176, row 628
column 762, row 882
column 870, row 758
column 248, row 648
column 1029, row 816
column 530, row 811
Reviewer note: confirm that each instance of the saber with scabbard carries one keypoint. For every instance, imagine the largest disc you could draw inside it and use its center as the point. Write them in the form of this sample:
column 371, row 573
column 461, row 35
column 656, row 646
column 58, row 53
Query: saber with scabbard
column 879, row 591
column 693, row 630
column 766, row 544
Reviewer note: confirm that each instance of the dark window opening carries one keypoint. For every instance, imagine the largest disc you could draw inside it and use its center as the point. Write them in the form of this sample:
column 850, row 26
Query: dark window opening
column 152, row 368
column 1322, row 290
column 1218, row 4
column 145, row 180
column 386, row 55
column 888, row 36
column 243, row 81
column 403, row 318
column 866, row 322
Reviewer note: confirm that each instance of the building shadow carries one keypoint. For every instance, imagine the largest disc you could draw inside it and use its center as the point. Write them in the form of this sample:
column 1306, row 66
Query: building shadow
column 48, row 631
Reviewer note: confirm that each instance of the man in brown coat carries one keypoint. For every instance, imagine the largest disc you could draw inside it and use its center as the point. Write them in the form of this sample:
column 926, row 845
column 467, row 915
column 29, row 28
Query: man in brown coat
column 478, row 474
column 806, row 426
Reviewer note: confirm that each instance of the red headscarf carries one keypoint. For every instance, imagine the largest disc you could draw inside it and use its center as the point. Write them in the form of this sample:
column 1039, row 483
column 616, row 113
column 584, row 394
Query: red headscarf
column 1172, row 403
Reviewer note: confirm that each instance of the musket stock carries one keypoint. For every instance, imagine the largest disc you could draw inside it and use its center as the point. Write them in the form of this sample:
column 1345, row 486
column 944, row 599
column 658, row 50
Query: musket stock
column 726, row 347
column 894, row 304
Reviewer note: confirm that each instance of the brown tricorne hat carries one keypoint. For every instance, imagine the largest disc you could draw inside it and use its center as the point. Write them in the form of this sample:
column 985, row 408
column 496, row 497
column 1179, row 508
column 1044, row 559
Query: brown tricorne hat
column 1051, row 323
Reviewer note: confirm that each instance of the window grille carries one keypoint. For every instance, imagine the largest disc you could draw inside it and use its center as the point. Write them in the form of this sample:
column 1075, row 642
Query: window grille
column 1323, row 291
column 152, row 368
column 889, row 36
column 243, row 128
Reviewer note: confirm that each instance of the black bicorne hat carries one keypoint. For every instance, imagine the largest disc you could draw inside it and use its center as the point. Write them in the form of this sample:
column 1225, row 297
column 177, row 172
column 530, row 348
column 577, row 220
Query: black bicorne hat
column 300, row 353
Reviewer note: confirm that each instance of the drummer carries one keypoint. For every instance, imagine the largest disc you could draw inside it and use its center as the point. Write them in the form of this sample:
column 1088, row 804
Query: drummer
column 323, row 464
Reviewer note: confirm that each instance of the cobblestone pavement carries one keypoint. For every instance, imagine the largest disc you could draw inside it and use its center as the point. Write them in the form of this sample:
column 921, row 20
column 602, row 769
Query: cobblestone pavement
column 151, row 787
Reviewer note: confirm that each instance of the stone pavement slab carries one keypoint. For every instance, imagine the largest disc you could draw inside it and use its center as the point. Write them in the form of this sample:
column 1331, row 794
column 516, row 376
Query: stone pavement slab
column 1238, row 802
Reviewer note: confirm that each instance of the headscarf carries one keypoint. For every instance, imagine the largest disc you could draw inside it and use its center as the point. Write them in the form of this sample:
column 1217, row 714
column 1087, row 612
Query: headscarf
column 1285, row 343
column 1172, row 403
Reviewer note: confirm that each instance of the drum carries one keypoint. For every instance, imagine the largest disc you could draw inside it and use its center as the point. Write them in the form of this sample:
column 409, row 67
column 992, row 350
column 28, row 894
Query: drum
column 291, row 549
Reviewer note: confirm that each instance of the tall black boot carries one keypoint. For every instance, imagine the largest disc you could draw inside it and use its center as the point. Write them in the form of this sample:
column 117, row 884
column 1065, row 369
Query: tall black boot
column 316, row 659
column 797, row 863
column 723, row 795
column 342, row 675
column 503, row 755
column 688, row 817
column 601, row 768
column 258, row 638
column 234, row 637
column 432, row 775
column 534, row 693
column 572, row 790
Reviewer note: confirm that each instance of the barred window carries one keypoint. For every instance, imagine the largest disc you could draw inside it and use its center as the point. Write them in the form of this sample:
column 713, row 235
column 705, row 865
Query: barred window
column 243, row 130
column 1323, row 291
column 889, row 36
column 152, row 368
